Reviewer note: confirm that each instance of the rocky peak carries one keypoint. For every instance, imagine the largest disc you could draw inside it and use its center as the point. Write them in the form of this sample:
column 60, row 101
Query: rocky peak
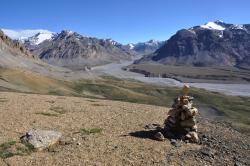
column 212, row 44
column 13, row 46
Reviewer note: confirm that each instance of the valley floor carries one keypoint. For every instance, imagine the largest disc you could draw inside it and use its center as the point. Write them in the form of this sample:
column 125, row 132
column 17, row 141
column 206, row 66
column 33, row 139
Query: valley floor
column 123, row 134
column 223, row 80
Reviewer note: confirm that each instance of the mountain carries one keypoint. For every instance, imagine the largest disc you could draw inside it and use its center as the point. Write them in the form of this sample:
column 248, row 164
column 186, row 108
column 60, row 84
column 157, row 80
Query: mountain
column 144, row 48
column 32, row 37
column 72, row 50
column 147, row 47
column 212, row 44
column 15, row 57
column 12, row 52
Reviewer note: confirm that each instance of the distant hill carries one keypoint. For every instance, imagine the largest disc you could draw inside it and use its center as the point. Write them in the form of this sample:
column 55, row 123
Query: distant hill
column 144, row 48
column 212, row 44
column 72, row 50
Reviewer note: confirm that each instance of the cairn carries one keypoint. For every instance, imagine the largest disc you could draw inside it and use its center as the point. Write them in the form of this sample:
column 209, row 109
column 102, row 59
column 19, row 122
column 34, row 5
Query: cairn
column 181, row 122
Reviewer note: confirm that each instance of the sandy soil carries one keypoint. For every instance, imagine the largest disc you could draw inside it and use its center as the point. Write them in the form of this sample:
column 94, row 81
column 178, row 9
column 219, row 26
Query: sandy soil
column 124, row 140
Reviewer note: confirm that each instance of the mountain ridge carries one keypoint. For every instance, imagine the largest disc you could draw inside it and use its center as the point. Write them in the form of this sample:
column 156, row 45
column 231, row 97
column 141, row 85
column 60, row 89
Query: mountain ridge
column 211, row 44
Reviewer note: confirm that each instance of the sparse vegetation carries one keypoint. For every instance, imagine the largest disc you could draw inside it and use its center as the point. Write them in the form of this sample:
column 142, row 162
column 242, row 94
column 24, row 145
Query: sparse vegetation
column 97, row 105
column 59, row 110
column 9, row 149
column 90, row 131
column 50, row 101
column 235, row 109
column 46, row 114
column 2, row 100
column 194, row 74
column 4, row 149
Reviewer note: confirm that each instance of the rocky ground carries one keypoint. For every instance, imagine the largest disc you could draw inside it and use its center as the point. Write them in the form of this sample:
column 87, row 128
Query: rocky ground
column 102, row 132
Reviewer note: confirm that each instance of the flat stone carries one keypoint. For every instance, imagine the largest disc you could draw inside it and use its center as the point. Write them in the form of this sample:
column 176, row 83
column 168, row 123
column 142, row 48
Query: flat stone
column 188, row 123
column 41, row 139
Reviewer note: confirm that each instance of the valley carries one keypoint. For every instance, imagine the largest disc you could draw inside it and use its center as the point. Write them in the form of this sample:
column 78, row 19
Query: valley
column 237, row 87
column 107, row 100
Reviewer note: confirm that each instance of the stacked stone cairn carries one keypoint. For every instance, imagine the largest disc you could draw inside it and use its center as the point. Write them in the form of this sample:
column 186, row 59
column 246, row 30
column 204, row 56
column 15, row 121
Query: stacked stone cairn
column 181, row 122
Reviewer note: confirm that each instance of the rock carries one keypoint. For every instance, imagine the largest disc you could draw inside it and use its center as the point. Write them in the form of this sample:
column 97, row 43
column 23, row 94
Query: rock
column 185, row 90
column 192, row 112
column 237, row 163
column 183, row 116
column 152, row 126
column 175, row 143
column 181, row 119
column 188, row 123
column 172, row 112
column 41, row 139
column 159, row 136
column 194, row 137
column 171, row 120
column 207, row 152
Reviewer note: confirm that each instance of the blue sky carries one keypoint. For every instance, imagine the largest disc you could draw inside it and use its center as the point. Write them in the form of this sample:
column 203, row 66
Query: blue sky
column 122, row 20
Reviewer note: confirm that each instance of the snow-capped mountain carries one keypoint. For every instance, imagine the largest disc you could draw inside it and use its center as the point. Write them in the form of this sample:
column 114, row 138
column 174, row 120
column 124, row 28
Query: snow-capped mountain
column 147, row 47
column 213, row 26
column 212, row 44
column 143, row 48
column 72, row 50
column 34, row 37
column 39, row 38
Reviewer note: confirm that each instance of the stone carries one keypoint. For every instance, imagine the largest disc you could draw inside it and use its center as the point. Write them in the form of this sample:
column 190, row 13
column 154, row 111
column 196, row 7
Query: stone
column 237, row 163
column 188, row 123
column 175, row 143
column 171, row 120
column 194, row 137
column 152, row 126
column 41, row 139
column 181, row 119
column 185, row 90
column 159, row 136
column 172, row 113
column 186, row 107
column 183, row 116
column 194, row 128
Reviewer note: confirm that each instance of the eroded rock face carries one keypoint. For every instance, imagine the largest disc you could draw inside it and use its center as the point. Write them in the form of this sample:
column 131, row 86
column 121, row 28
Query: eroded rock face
column 41, row 139
column 181, row 121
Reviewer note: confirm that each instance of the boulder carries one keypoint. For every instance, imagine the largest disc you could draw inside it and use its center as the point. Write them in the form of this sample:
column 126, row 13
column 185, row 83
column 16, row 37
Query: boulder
column 41, row 139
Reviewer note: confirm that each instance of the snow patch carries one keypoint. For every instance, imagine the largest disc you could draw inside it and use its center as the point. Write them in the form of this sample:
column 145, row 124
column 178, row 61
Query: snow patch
column 23, row 35
column 213, row 26
column 238, row 26
column 39, row 38
column 131, row 46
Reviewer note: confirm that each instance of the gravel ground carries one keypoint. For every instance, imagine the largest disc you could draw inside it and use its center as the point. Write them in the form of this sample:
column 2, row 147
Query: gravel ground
column 124, row 136
column 116, row 71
